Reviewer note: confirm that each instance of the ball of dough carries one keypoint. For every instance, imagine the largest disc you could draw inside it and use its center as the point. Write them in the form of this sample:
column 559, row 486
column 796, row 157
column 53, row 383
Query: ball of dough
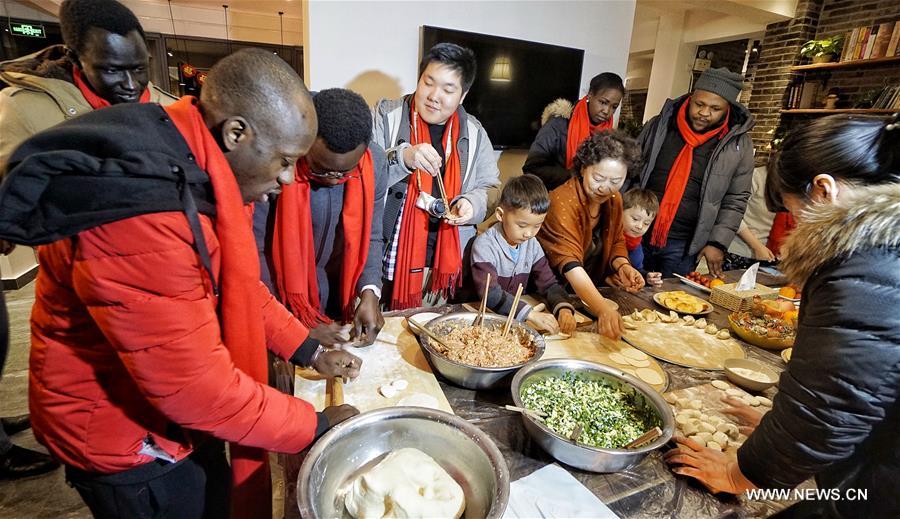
column 720, row 384
column 682, row 418
column 764, row 401
column 690, row 428
column 754, row 401
column 698, row 439
column 714, row 445
column 720, row 438
column 705, row 436
column 707, row 427
column 406, row 483
column 711, row 329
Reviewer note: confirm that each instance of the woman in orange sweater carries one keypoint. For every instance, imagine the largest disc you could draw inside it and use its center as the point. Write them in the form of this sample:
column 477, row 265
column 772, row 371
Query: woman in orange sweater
column 583, row 236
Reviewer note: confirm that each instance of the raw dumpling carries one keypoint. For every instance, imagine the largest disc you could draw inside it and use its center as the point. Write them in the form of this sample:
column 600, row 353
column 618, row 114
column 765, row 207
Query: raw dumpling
column 637, row 316
column 689, row 320
column 700, row 323
column 723, row 334
column 711, row 329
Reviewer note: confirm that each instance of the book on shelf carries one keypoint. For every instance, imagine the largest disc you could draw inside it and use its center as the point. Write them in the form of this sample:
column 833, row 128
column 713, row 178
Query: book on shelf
column 895, row 39
column 850, row 45
column 887, row 99
column 861, row 41
column 882, row 40
column 871, row 43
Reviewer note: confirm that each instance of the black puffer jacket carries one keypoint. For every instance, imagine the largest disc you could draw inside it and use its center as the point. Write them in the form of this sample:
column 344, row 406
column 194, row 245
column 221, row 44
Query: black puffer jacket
column 836, row 415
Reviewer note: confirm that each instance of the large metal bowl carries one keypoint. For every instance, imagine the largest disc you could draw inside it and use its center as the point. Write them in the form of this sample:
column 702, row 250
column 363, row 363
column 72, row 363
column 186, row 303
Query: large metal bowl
column 576, row 454
column 358, row 444
column 474, row 377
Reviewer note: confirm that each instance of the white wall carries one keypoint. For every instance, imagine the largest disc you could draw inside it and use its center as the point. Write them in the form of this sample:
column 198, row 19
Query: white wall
column 373, row 46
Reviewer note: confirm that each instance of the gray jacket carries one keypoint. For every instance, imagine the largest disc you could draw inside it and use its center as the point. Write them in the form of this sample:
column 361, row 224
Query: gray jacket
column 481, row 177
column 726, row 183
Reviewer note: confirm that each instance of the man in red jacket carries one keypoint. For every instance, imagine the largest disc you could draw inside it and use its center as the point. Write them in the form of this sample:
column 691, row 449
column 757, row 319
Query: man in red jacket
column 150, row 323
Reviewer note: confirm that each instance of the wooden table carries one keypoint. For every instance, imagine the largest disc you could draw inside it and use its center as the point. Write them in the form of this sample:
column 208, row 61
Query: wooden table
column 647, row 490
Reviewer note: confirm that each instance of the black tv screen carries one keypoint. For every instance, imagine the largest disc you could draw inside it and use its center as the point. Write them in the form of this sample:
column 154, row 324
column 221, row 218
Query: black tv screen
column 515, row 80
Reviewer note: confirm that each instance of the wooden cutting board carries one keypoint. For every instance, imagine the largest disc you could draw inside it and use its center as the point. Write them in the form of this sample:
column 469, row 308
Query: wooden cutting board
column 711, row 404
column 596, row 348
column 395, row 355
column 683, row 345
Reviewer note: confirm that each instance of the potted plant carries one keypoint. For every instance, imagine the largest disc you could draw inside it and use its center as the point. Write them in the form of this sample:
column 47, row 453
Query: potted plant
column 823, row 51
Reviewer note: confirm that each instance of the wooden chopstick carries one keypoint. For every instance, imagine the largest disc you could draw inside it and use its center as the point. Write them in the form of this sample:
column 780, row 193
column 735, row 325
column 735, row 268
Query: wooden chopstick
column 428, row 332
column 337, row 390
column 576, row 433
column 529, row 412
column 512, row 311
column 648, row 436
column 480, row 318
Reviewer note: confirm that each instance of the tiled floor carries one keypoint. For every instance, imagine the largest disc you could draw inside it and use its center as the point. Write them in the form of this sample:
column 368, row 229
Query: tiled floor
column 40, row 496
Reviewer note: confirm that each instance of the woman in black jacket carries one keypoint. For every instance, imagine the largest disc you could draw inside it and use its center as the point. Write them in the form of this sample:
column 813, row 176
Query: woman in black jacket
column 836, row 416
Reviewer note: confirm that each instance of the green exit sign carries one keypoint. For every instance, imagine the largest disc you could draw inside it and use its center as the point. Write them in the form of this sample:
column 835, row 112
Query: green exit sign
column 27, row 29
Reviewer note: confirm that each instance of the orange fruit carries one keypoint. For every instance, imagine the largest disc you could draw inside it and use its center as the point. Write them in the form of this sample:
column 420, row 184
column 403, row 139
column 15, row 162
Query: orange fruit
column 791, row 316
column 716, row 283
column 788, row 292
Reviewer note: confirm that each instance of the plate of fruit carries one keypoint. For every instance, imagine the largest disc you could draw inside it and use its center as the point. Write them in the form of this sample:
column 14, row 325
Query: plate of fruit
column 770, row 324
column 700, row 282
column 790, row 293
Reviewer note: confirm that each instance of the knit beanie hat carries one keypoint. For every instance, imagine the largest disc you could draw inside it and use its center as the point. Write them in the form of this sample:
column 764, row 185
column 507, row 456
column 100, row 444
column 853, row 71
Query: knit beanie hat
column 722, row 82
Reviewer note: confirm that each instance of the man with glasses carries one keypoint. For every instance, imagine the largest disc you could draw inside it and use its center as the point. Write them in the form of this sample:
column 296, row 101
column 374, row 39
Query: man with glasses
column 320, row 240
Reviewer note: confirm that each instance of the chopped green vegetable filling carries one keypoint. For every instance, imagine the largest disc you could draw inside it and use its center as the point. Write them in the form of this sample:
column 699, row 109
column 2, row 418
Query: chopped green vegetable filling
column 610, row 416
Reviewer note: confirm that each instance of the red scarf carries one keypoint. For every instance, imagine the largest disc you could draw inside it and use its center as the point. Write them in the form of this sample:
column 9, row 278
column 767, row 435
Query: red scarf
column 241, row 317
column 413, row 240
column 782, row 225
column 681, row 172
column 632, row 242
column 293, row 251
column 92, row 98
column 580, row 128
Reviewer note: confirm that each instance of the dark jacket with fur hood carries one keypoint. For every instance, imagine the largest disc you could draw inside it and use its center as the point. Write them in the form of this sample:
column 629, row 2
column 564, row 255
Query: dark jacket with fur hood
column 38, row 92
column 837, row 415
column 547, row 155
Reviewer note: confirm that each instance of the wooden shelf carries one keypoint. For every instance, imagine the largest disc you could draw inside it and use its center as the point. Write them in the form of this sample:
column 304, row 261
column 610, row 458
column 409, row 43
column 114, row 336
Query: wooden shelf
column 822, row 111
column 848, row 64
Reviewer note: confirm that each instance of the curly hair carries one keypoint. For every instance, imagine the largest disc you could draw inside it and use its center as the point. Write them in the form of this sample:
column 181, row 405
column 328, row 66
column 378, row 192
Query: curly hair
column 345, row 120
column 610, row 144
column 77, row 17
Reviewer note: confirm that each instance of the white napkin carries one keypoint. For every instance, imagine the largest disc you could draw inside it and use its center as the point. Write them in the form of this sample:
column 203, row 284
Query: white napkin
column 551, row 492
column 748, row 279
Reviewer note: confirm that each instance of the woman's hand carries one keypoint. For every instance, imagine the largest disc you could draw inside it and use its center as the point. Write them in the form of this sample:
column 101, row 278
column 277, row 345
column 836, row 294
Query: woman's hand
column 609, row 322
column 748, row 416
column 763, row 253
column 566, row 320
column 543, row 321
column 713, row 468
column 630, row 279
column 654, row 279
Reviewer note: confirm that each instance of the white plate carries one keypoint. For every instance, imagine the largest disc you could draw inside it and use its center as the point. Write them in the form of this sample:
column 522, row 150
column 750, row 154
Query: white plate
column 694, row 284
column 422, row 319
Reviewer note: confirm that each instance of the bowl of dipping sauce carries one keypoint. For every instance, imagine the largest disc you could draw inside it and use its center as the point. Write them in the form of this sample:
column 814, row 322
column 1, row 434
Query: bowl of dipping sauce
column 750, row 374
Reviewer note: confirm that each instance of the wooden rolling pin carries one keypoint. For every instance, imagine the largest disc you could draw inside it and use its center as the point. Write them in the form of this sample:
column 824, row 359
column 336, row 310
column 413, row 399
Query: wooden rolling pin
column 336, row 390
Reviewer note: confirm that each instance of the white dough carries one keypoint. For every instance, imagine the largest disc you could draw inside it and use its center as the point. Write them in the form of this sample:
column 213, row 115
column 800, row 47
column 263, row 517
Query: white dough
column 747, row 400
column 723, row 427
column 627, row 319
column 720, row 438
column 707, row 427
column 764, row 401
column 629, row 325
column 670, row 398
column 682, row 403
column 715, row 420
column 714, row 445
column 693, row 413
column 734, row 392
column 637, row 363
column 720, row 384
column 688, row 320
column 682, row 418
column 700, row 323
column 723, row 334
column 618, row 359
column 637, row 316
column 634, row 353
column 400, row 384
column 705, row 436
column 754, row 401
column 407, row 483
column 690, row 428
column 696, row 404
column 649, row 376
column 698, row 439
column 711, row 329
column 419, row 400
column 388, row 391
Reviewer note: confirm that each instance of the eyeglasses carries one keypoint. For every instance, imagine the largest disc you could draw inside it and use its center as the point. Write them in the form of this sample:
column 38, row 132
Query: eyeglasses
column 335, row 175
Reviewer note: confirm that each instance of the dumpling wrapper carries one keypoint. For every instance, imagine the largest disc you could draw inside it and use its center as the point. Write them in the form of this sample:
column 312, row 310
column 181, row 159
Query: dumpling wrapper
column 649, row 376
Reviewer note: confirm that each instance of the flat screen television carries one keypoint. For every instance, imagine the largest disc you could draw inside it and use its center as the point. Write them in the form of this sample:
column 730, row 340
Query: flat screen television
column 515, row 80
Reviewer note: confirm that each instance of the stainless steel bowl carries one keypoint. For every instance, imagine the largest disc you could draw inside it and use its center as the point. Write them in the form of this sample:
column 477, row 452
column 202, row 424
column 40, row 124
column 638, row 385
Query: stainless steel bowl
column 576, row 454
column 356, row 445
column 473, row 377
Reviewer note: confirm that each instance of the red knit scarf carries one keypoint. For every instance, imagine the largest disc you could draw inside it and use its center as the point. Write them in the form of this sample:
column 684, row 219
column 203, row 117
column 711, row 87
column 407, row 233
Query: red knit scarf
column 92, row 98
column 782, row 225
column 681, row 172
column 632, row 242
column 413, row 240
column 580, row 128
column 293, row 250
column 241, row 317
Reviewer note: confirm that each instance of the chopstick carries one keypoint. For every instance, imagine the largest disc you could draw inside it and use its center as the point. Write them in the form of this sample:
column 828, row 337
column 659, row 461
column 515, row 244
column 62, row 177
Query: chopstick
column 534, row 414
column 576, row 433
column 648, row 436
column 479, row 319
column 512, row 311
column 428, row 332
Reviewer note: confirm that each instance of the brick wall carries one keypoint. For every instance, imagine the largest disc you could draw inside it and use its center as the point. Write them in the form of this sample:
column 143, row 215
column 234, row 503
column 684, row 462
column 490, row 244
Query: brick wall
column 780, row 47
